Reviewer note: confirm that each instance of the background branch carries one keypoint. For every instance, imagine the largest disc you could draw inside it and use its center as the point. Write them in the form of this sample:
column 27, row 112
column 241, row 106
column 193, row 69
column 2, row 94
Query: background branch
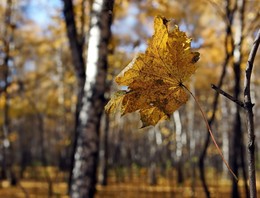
column 250, row 117
column 235, row 100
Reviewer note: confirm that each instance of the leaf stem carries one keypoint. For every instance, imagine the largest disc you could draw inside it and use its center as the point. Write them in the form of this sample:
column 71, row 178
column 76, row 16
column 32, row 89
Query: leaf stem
column 211, row 133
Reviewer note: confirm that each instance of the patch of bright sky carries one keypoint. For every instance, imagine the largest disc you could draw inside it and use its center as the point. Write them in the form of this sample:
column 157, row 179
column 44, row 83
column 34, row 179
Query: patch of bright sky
column 127, row 26
column 189, row 28
column 41, row 11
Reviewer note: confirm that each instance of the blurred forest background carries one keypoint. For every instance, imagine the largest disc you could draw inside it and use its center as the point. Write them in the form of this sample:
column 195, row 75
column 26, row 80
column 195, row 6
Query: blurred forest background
column 40, row 84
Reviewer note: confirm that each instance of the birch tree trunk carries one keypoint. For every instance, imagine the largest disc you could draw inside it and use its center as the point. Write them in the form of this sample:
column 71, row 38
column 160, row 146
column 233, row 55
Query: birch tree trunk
column 86, row 153
column 179, row 145
column 76, row 47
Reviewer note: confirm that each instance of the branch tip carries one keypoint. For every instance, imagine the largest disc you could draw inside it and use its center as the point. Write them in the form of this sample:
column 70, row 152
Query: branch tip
column 228, row 96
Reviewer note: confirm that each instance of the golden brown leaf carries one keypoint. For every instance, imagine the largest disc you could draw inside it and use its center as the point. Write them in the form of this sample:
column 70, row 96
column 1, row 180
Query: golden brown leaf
column 155, row 79
column 115, row 101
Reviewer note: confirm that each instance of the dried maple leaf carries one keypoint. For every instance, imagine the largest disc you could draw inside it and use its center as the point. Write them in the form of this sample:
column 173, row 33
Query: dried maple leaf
column 154, row 79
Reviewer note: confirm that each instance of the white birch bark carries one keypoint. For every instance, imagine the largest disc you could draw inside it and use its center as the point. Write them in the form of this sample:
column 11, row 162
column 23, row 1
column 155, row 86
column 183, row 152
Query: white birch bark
column 86, row 154
column 225, row 135
column 178, row 127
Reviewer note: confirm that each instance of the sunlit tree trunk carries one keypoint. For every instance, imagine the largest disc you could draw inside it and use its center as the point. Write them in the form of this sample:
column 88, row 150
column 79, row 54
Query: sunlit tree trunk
column 86, row 155
column 225, row 134
column 250, row 117
column 191, row 138
column 152, row 156
column 179, row 145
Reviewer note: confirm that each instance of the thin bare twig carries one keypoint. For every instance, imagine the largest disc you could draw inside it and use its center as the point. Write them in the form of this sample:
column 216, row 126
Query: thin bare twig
column 235, row 100
column 250, row 118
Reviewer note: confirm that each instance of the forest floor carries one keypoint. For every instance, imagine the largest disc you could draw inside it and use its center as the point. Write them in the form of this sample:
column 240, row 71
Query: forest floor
column 124, row 187
column 36, row 189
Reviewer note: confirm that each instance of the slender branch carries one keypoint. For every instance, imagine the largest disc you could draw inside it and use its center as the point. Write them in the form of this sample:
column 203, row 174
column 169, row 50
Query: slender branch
column 235, row 100
column 228, row 53
column 250, row 118
column 249, row 67
column 211, row 134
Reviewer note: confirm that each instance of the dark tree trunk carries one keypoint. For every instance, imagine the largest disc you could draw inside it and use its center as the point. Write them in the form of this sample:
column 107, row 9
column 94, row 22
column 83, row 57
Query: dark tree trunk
column 237, row 132
column 104, row 167
column 40, row 120
column 237, row 135
column 153, row 159
column 180, row 176
column 243, row 165
column 86, row 154
column 76, row 46
column 250, row 118
column 202, row 167
column 7, row 158
column 76, row 43
column 152, row 174
column 235, row 152
column 41, row 129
